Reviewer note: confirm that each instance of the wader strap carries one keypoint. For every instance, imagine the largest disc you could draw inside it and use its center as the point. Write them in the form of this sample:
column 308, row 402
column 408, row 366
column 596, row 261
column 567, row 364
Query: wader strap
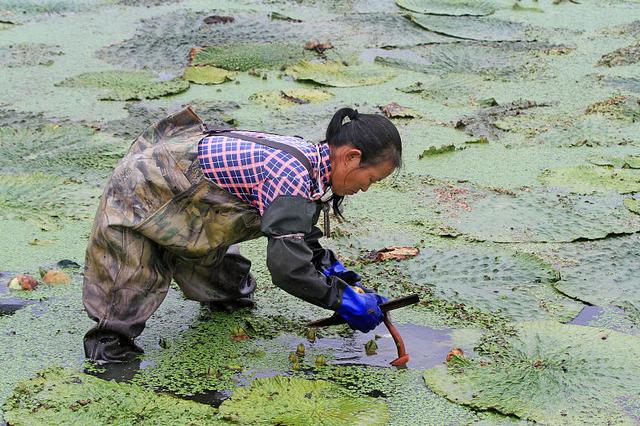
column 271, row 144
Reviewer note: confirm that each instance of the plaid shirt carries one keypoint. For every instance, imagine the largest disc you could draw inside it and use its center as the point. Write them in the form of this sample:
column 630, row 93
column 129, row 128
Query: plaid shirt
column 257, row 173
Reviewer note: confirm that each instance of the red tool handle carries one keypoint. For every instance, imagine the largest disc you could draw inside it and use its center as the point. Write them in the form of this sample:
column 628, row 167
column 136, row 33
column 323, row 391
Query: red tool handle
column 403, row 356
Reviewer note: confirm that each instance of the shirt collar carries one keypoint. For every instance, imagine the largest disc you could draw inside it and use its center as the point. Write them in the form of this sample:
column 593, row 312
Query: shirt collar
column 325, row 166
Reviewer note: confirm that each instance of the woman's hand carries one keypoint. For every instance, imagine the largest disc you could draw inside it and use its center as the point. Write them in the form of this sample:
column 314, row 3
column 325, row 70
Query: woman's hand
column 360, row 309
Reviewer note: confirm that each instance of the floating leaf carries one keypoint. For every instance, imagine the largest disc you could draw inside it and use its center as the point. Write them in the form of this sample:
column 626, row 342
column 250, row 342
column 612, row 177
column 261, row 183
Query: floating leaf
column 394, row 110
column 551, row 373
column 471, row 28
column 63, row 396
column 207, row 75
column 618, row 107
column 632, row 204
column 393, row 253
column 624, row 56
column 339, row 75
column 448, row 7
column 245, row 56
column 626, row 162
column 436, row 150
column 56, row 276
column 590, row 179
column 127, row 85
column 290, row 97
column 293, row 401
column 516, row 286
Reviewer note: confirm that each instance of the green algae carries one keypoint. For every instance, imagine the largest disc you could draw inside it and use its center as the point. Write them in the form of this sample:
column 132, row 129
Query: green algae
column 294, row 401
column 626, row 162
column 550, row 373
column 207, row 75
column 66, row 396
column 590, row 179
column 290, row 97
column 431, row 151
column 471, row 27
column 127, row 85
column 246, row 56
column 338, row 75
column 449, row 7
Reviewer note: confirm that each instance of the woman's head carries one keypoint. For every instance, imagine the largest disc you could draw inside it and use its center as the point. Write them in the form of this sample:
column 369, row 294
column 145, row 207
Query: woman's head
column 364, row 150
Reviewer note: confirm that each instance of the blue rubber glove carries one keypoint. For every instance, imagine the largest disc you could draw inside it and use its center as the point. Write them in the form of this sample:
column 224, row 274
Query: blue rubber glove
column 361, row 311
column 337, row 269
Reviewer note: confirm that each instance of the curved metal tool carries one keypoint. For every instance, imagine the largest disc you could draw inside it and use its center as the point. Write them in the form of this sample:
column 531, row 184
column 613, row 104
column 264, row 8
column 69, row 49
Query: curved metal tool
column 403, row 356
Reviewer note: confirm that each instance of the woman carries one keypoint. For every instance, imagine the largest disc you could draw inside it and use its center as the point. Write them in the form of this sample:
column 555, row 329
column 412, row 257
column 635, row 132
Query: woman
column 183, row 196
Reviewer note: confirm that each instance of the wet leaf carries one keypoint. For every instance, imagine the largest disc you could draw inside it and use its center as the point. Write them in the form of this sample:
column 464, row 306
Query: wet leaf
column 431, row 151
column 550, row 373
column 245, row 56
column 471, row 28
column 293, row 401
column 590, row 179
column 207, row 75
column 624, row 56
column 56, row 276
column 290, row 97
column 448, row 7
column 394, row 110
column 632, row 204
column 339, row 75
column 127, row 85
column 393, row 253
column 371, row 347
column 218, row 19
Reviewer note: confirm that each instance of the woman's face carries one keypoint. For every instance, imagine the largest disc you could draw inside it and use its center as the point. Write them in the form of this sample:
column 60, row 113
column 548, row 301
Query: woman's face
column 349, row 177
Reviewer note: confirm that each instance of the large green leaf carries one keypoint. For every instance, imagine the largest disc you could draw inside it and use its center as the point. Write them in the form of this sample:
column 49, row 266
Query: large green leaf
column 299, row 402
column 553, row 374
column 448, row 7
column 245, row 56
column 589, row 179
column 339, row 75
column 63, row 396
column 516, row 286
column 471, row 28
column 127, row 85
column 601, row 272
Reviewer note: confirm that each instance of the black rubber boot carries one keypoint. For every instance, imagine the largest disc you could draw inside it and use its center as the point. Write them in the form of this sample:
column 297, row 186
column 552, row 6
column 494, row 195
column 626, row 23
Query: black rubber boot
column 109, row 346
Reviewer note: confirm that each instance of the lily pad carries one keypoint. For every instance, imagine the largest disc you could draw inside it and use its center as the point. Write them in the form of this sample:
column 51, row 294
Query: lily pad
column 517, row 286
column 127, row 85
column 601, row 273
column 64, row 396
column 448, row 7
column 590, row 179
column 292, row 401
column 626, row 162
column 550, row 373
column 471, row 28
column 207, row 75
column 537, row 216
column 483, row 122
column 618, row 107
column 246, row 56
column 632, row 204
column 290, row 97
column 338, row 75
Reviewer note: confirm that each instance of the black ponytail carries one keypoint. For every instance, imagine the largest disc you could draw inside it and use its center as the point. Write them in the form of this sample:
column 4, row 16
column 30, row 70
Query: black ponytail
column 373, row 134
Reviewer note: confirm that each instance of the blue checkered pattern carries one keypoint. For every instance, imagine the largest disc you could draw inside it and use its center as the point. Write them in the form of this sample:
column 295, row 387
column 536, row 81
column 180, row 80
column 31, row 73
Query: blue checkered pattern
column 257, row 173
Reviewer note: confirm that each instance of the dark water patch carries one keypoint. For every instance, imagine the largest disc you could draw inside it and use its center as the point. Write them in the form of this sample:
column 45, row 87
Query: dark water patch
column 586, row 315
column 213, row 398
column 427, row 347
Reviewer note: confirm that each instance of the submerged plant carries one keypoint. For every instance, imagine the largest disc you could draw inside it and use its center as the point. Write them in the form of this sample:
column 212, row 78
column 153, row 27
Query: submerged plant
column 298, row 402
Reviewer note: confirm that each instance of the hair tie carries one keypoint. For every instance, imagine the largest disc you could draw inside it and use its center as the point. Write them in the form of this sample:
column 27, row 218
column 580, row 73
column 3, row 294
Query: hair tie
column 354, row 115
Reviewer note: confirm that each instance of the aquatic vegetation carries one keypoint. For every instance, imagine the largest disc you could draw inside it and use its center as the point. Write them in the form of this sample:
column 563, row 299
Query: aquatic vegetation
column 632, row 204
column 517, row 286
column 626, row 162
column 127, row 85
column 34, row 7
column 246, row 56
column 590, row 179
column 482, row 123
column 59, row 395
column 295, row 401
column 207, row 75
column 550, row 373
column 433, row 150
column 55, row 276
column 618, row 108
column 471, row 27
column 290, row 97
column 338, row 75
column 448, row 7
column 25, row 55
column 371, row 347
column 395, row 110
column 623, row 56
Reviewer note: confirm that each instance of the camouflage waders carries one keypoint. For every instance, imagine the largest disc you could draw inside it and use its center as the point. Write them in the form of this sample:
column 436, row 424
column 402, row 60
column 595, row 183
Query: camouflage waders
column 159, row 219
